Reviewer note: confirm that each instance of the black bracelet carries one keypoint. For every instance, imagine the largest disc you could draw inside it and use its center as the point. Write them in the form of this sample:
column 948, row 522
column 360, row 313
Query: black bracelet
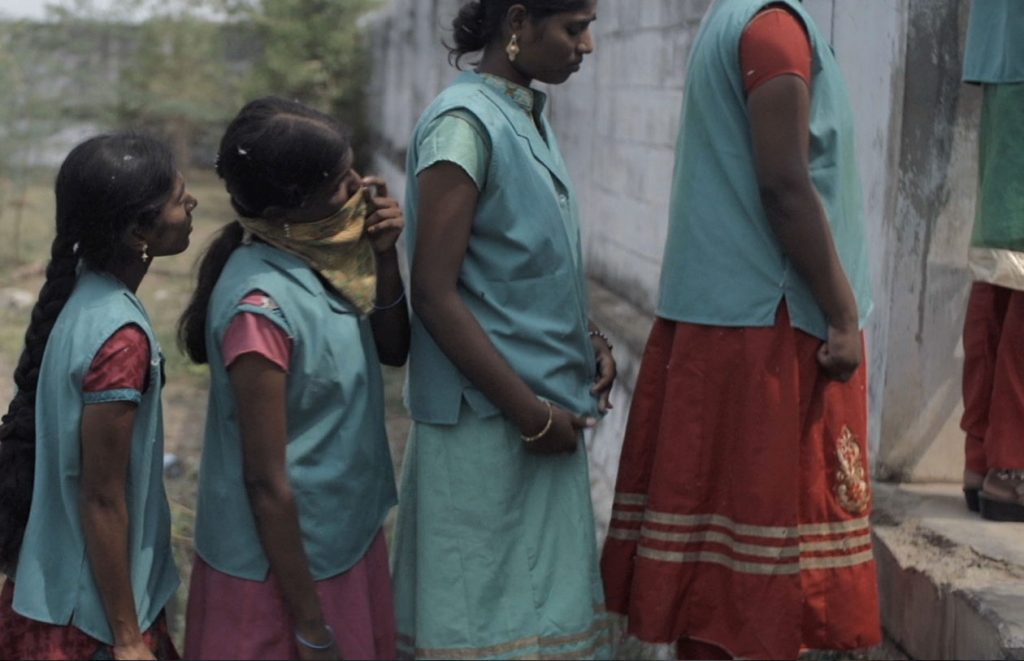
column 597, row 333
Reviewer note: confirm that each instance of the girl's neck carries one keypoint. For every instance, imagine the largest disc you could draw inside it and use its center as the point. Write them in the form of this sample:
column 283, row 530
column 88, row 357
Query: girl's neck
column 495, row 62
column 130, row 272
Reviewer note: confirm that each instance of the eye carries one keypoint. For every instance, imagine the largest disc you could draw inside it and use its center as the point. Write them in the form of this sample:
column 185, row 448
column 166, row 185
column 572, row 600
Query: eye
column 576, row 29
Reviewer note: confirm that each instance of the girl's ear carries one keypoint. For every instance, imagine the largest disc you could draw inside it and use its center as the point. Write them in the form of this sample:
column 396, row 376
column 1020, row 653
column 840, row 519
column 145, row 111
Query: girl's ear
column 135, row 239
column 515, row 18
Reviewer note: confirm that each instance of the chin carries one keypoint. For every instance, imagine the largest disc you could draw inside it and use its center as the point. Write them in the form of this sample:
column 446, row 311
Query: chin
column 555, row 78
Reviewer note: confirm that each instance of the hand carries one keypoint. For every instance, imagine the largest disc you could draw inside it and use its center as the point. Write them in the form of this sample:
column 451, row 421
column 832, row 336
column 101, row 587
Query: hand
column 842, row 353
column 386, row 221
column 564, row 434
column 607, row 372
column 134, row 650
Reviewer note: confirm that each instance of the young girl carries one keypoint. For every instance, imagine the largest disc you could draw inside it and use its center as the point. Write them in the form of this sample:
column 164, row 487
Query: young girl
column 495, row 544
column 298, row 301
column 81, row 490
column 741, row 522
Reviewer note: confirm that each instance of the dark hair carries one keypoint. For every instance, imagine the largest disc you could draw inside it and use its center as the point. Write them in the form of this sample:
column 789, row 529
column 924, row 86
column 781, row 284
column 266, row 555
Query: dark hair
column 106, row 186
column 274, row 153
column 478, row 23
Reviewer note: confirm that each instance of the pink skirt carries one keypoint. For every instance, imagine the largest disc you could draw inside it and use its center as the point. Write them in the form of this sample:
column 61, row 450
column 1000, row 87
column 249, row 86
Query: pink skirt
column 235, row 618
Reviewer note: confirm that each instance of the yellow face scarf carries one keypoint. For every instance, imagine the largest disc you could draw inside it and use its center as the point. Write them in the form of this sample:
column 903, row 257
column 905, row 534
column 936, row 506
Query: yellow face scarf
column 336, row 247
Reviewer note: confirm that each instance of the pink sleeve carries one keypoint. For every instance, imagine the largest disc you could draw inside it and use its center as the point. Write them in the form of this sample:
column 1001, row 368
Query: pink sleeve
column 122, row 363
column 250, row 332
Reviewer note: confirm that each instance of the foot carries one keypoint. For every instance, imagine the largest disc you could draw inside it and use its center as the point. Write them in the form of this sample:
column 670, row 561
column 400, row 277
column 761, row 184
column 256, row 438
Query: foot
column 972, row 485
column 1002, row 495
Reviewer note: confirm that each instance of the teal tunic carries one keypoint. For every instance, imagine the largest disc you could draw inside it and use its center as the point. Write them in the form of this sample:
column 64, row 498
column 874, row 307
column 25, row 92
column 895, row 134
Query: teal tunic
column 338, row 460
column 995, row 42
column 54, row 582
column 495, row 548
column 995, row 58
column 723, row 264
column 522, row 277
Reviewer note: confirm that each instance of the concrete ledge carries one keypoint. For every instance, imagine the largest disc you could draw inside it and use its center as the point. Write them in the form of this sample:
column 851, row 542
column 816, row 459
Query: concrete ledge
column 952, row 584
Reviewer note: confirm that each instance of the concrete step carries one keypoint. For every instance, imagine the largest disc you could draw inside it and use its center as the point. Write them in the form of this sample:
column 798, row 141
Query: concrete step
column 952, row 584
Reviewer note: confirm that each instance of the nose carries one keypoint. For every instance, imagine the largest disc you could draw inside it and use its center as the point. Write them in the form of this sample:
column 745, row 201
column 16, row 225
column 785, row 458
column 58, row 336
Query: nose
column 587, row 44
column 191, row 203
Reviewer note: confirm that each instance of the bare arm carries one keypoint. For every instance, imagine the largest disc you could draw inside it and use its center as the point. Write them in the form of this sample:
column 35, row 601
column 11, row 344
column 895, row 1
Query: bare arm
column 780, row 123
column 448, row 199
column 259, row 389
column 106, row 453
column 390, row 322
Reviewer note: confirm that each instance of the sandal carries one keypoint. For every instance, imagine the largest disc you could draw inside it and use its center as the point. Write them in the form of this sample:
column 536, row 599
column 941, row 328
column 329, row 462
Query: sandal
column 1002, row 496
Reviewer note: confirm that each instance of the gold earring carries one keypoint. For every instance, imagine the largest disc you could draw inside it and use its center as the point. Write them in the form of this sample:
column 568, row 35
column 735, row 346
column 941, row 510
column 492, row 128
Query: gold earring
column 513, row 48
column 145, row 252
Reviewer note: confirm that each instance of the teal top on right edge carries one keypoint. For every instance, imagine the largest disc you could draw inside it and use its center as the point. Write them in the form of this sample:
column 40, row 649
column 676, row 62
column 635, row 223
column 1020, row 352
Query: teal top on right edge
column 995, row 42
column 723, row 264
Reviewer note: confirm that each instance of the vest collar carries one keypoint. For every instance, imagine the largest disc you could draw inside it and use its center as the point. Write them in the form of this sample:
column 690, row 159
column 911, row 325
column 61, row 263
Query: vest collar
column 510, row 99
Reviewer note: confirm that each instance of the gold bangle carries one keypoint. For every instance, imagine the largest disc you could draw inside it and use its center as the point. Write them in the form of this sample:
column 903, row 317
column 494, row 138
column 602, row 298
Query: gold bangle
column 547, row 426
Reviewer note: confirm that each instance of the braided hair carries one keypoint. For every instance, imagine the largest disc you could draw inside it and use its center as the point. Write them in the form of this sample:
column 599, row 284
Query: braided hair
column 479, row 23
column 274, row 153
column 106, row 186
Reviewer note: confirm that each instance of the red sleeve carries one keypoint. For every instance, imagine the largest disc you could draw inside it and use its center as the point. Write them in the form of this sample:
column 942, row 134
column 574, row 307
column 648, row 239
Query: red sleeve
column 122, row 363
column 250, row 332
column 774, row 44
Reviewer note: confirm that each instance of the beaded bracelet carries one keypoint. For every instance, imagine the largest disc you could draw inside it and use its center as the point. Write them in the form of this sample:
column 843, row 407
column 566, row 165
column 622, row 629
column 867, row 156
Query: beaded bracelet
column 547, row 426
column 379, row 308
column 597, row 333
column 313, row 646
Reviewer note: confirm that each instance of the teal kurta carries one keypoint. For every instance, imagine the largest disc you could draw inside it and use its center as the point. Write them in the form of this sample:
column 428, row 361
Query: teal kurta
column 995, row 59
column 522, row 277
column 723, row 264
column 495, row 548
column 338, row 460
column 54, row 582
column 995, row 42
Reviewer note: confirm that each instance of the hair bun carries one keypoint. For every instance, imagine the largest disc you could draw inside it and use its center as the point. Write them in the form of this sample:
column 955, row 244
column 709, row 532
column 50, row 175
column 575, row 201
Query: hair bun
column 469, row 29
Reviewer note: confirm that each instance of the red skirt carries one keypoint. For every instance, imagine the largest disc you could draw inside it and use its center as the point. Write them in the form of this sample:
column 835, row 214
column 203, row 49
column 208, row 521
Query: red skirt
column 22, row 638
column 742, row 501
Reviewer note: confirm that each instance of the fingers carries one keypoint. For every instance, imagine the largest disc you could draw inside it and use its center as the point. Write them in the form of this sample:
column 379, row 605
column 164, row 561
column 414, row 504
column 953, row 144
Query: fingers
column 376, row 182
column 579, row 422
column 381, row 226
column 835, row 369
column 604, row 382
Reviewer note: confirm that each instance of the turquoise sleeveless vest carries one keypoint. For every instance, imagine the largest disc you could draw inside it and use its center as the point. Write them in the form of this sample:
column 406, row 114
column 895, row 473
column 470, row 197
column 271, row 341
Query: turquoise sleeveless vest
column 522, row 276
column 54, row 582
column 723, row 265
column 995, row 42
column 339, row 463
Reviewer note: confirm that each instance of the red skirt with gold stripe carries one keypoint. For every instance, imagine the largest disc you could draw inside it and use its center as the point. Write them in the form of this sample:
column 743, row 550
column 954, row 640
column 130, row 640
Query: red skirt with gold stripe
column 742, row 501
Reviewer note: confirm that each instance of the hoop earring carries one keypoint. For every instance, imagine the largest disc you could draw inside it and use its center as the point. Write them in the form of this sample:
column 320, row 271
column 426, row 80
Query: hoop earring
column 513, row 48
column 145, row 253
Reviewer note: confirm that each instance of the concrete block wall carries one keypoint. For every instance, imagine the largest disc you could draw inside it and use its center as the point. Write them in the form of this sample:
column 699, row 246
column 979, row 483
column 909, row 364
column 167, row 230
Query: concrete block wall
column 617, row 122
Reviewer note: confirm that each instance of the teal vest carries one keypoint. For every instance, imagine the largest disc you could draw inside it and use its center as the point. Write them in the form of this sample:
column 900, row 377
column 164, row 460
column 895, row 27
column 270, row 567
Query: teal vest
column 995, row 42
column 522, row 276
column 723, row 265
column 54, row 582
column 339, row 463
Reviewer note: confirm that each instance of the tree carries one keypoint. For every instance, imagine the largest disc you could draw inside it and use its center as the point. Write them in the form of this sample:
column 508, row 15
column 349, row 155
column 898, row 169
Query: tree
column 313, row 52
